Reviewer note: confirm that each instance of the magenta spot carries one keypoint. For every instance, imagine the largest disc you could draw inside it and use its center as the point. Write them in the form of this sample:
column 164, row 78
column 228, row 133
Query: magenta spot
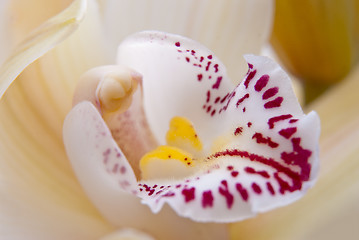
column 250, row 65
column 217, row 100
column 201, row 59
column 169, row 194
column 261, row 83
column 238, row 131
column 244, row 109
column 213, row 112
column 207, row 199
column 242, row 191
column 288, row 132
column 298, row 157
column 257, row 189
column 208, row 96
column 234, row 173
column 273, row 120
column 209, row 109
column 293, row 120
column 208, row 65
column 189, row 194
column 209, row 56
column 249, row 78
column 249, row 124
column 193, row 52
column 115, row 168
column 106, row 156
column 223, row 190
column 149, row 189
column 178, row 44
column 218, row 83
column 199, row 77
column 262, row 173
column 215, row 68
column 270, row 93
column 187, row 59
column 274, row 103
column 242, row 99
column 270, row 188
column 224, row 98
column 260, row 139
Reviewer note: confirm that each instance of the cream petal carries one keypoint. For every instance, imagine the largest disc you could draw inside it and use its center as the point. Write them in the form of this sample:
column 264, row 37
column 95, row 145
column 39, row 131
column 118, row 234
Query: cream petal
column 40, row 196
column 111, row 184
column 127, row 234
column 41, row 41
column 17, row 21
column 6, row 43
column 243, row 25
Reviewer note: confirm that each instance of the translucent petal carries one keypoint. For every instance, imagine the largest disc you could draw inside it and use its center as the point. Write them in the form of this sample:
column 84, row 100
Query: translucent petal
column 40, row 41
column 127, row 234
column 110, row 182
column 40, row 196
column 243, row 25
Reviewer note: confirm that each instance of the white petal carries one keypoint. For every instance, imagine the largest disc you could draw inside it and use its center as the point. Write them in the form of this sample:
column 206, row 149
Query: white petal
column 180, row 78
column 110, row 183
column 243, row 25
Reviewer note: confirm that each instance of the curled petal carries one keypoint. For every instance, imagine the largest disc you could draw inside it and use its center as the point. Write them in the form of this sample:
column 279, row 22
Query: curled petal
column 176, row 71
column 111, row 184
column 42, row 40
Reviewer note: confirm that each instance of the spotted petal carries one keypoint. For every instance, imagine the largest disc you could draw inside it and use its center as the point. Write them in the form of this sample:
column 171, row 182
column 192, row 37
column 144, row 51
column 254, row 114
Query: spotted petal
column 264, row 148
column 110, row 183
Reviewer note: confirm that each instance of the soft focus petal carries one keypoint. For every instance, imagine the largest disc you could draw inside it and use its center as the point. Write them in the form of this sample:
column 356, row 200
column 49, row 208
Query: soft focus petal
column 330, row 211
column 41, row 41
column 317, row 40
column 243, row 25
column 17, row 21
column 23, row 20
column 6, row 43
column 40, row 196
column 127, row 234
column 111, row 184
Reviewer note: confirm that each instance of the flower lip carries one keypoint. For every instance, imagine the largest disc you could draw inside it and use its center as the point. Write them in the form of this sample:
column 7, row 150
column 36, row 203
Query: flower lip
column 262, row 150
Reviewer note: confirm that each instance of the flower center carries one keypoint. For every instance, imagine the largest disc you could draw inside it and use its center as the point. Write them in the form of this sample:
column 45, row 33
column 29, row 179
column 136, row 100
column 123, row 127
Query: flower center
column 177, row 158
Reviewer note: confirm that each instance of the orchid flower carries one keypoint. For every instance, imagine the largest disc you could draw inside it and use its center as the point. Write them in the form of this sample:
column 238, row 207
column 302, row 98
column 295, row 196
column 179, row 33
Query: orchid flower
column 40, row 196
column 230, row 152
